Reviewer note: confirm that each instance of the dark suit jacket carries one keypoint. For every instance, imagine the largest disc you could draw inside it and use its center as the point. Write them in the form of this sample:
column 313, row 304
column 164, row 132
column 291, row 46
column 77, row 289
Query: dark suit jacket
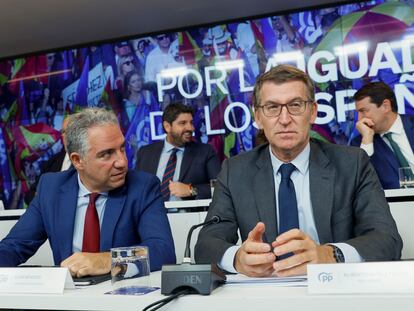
column 384, row 160
column 347, row 200
column 200, row 164
column 134, row 215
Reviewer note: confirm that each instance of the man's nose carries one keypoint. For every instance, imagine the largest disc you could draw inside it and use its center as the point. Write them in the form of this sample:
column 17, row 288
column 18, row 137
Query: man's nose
column 190, row 127
column 284, row 116
column 121, row 159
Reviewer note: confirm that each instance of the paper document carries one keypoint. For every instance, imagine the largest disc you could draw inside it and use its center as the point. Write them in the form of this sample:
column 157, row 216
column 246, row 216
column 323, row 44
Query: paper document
column 301, row 280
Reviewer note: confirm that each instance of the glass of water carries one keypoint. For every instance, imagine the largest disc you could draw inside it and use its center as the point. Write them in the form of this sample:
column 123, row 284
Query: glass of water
column 130, row 263
column 406, row 177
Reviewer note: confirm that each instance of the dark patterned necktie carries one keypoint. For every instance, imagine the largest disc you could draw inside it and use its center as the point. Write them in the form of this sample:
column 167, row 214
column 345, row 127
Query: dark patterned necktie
column 168, row 174
column 91, row 229
column 288, row 207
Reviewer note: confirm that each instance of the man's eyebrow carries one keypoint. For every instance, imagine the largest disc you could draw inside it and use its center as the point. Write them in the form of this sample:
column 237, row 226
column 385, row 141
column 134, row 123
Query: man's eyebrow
column 289, row 101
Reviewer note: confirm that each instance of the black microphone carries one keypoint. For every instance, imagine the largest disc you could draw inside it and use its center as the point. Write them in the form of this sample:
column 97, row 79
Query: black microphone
column 187, row 253
column 198, row 278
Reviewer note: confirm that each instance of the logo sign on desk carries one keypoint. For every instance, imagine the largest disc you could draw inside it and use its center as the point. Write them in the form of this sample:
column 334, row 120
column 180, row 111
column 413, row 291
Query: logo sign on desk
column 365, row 278
column 35, row 280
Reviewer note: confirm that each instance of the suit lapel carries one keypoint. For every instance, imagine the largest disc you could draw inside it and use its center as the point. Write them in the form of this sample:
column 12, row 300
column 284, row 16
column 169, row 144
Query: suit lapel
column 154, row 157
column 113, row 209
column 321, row 180
column 383, row 150
column 65, row 215
column 189, row 155
column 264, row 192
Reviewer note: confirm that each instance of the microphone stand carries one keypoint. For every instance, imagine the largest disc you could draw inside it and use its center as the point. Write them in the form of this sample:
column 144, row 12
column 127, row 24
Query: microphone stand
column 196, row 278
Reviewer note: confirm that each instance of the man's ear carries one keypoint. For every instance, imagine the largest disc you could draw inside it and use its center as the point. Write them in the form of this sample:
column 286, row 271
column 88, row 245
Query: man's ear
column 167, row 126
column 314, row 111
column 76, row 160
column 386, row 104
column 257, row 119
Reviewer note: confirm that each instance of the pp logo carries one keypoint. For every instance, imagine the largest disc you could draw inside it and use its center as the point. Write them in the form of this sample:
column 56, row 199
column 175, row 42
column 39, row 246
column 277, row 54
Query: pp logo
column 325, row 277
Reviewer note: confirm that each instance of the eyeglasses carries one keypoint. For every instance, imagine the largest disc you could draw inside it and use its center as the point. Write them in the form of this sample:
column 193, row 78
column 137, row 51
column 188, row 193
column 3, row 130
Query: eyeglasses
column 128, row 62
column 295, row 108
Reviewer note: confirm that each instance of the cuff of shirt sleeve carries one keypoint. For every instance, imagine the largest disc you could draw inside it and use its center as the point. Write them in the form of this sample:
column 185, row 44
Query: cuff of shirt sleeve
column 350, row 253
column 226, row 262
column 369, row 148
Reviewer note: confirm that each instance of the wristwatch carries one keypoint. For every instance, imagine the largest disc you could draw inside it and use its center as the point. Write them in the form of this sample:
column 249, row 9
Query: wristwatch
column 337, row 253
column 193, row 190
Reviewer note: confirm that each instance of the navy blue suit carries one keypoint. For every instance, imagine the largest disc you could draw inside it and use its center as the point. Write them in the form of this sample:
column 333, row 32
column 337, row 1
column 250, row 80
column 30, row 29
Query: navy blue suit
column 384, row 160
column 200, row 164
column 134, row 215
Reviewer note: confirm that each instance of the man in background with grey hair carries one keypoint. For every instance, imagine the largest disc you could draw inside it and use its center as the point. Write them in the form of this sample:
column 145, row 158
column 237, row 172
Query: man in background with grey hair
column 99, row 205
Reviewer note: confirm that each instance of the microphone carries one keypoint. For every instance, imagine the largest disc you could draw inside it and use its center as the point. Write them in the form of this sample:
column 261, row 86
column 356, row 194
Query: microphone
column 198, row 278
column 187, row 254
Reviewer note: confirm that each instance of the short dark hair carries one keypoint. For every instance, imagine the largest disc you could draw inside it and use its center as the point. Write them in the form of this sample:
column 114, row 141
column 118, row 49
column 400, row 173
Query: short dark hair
column 173, row 110
column 282, row 74
column 377, row 92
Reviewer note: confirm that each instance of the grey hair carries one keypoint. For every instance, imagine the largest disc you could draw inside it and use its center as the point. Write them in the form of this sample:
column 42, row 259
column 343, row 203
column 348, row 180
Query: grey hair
column 78, row 125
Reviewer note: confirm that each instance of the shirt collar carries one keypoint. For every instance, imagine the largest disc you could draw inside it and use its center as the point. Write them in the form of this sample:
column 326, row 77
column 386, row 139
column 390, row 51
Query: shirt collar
column 168, row 147
column 396, row 128
column 301, row 162
column 83, row 192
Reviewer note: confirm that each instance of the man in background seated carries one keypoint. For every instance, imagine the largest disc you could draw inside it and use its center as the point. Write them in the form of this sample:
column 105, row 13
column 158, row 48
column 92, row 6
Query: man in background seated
column 295, row 201
column 99, row 205
column 386, row 136
column 184, row 167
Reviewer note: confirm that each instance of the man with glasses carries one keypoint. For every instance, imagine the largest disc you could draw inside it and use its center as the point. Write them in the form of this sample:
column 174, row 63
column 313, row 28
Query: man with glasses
column 159, row 58
column 294, row 200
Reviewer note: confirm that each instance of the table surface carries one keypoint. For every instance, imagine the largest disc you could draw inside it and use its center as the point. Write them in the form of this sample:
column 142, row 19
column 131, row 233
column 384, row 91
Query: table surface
column 406, row 192
column 228, row 297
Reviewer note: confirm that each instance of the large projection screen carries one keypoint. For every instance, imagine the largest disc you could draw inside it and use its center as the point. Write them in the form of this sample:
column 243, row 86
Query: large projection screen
column 212, row 69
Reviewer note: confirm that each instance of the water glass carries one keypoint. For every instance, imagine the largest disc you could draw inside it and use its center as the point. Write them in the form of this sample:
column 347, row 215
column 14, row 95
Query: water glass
column 130, row 263
column 406, row 177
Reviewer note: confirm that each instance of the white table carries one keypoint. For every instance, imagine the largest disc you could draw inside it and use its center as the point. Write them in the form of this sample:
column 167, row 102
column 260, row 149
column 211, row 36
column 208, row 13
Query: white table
column 229, row 297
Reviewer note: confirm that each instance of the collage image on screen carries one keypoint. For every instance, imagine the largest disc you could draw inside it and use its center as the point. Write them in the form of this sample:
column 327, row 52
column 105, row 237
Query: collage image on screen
column 212, row 69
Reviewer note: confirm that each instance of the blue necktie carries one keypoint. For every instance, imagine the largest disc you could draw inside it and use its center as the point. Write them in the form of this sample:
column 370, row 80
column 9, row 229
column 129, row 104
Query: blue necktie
column 288, row 207
column 168, row 174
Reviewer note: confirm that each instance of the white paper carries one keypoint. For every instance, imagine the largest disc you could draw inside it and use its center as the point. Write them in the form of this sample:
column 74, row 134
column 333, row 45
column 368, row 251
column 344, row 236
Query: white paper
column 35, row 280
column 234, row 279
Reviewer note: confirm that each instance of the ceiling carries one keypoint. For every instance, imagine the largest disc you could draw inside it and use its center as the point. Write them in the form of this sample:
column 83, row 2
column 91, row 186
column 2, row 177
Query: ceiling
column 31, row 26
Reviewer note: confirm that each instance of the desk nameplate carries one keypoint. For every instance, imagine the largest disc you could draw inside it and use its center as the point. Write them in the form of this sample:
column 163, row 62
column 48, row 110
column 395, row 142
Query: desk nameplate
column 361, row 278
column 35, row 280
